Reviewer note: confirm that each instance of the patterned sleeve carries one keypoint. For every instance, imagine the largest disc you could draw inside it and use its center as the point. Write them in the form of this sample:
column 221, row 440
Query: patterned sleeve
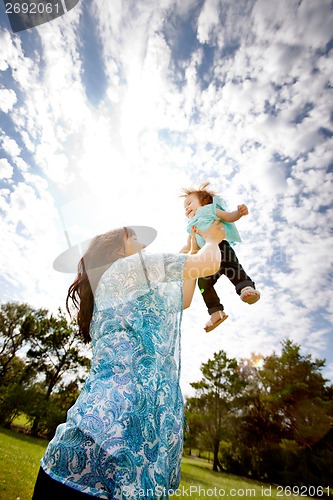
column 173, row 266
column 133, row 276
column 164, row 267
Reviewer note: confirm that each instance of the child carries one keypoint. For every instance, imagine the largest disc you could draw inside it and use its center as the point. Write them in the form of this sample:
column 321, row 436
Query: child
column 202, row 207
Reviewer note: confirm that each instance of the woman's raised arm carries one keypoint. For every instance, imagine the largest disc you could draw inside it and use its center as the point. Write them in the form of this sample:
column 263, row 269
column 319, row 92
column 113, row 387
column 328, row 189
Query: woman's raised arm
column 207, row 261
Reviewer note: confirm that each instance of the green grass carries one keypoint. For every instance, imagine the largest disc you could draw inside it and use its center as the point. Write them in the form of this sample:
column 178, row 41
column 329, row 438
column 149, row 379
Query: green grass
column 22, row 420
column 199, row 481
column 19, row 464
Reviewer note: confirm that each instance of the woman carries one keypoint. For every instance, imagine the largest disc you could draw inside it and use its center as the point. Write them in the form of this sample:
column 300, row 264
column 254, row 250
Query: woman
column 123, row 437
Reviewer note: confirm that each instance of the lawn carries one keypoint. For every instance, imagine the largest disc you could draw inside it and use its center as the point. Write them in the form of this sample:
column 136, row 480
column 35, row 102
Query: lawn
column 19, row 464
column 199, row 481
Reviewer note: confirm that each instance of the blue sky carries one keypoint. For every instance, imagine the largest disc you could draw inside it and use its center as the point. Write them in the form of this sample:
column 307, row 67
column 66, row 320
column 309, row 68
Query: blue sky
column 108, row 111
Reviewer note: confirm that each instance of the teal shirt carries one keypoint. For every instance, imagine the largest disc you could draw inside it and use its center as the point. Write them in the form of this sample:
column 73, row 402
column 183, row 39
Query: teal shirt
column 204, row 218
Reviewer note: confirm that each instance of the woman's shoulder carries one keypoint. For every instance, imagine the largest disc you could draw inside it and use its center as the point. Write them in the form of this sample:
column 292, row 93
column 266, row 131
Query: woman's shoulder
column 161, row 257
column 138, row 261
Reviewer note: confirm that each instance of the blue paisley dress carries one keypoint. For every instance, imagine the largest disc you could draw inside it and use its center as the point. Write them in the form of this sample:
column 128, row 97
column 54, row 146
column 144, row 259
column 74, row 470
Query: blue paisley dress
column 123, row 437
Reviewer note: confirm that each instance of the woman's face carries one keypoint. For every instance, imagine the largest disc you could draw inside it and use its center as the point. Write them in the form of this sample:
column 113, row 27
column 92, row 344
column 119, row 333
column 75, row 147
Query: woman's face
column 132, row 245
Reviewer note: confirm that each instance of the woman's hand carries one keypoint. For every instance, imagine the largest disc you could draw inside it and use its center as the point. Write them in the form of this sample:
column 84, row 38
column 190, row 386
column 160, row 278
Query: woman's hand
column 215, row 232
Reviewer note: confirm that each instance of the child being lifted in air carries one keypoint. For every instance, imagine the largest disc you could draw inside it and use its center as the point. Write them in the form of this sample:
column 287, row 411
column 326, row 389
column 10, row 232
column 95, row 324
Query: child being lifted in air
column 202, row 208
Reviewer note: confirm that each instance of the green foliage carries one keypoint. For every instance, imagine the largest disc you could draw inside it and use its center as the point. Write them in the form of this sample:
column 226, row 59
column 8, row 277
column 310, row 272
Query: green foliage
column 11, row 403
column 266, row 423
column 54, row 346
column 33, row 384
column 52, row 411
column 12, row 316
column 219, row 396
column 294, row 389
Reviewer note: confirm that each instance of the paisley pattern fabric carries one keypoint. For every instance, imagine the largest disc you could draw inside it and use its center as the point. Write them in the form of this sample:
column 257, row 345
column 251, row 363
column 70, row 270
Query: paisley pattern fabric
column 206, row 215
column 123, row 437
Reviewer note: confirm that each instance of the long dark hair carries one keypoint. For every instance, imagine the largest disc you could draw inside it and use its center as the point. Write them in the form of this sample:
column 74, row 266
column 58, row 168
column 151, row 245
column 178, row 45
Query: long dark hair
column 103, row 250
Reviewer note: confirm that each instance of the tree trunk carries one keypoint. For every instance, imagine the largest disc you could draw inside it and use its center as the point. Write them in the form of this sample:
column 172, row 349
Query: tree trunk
column 34, row 427
column 216, row 463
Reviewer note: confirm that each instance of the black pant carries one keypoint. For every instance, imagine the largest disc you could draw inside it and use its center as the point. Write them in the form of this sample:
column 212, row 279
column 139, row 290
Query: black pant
column 47, row 488
column 232, row 269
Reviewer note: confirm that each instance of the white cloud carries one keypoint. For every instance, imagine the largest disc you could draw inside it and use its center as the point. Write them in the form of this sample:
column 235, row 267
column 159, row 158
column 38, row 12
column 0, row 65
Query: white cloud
column 208, row 21
column 294, row 22
column 6, row 170
column 10, row 51
column 10, row 146
column 7, row 99
column 161, row 127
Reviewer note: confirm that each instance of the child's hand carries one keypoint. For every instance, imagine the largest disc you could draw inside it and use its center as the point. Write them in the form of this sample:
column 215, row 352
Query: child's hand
column 242, row 210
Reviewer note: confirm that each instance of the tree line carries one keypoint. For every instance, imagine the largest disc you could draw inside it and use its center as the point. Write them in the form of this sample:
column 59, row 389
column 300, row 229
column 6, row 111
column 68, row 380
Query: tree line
column 41, row 366
column 267, row 418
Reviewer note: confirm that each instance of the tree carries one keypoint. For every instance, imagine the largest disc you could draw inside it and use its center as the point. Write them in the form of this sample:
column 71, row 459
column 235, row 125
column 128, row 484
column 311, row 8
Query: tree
column 259, row 427
column 219, row 393
column 12, row 315
column 288, row 409
column 54, row 351
column 270, row 420
column 52, row 411
column 195, row 428
column 298, row 394
column 13, row 391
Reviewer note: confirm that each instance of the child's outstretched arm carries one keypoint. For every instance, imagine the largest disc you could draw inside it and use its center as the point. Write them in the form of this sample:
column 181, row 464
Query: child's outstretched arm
column 188, row 284
column 191, row 245
column 186, row 248
column 232, row 216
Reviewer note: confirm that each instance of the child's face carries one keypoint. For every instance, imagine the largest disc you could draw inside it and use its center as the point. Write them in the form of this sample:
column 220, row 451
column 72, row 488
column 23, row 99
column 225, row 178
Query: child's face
column 191, row 205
